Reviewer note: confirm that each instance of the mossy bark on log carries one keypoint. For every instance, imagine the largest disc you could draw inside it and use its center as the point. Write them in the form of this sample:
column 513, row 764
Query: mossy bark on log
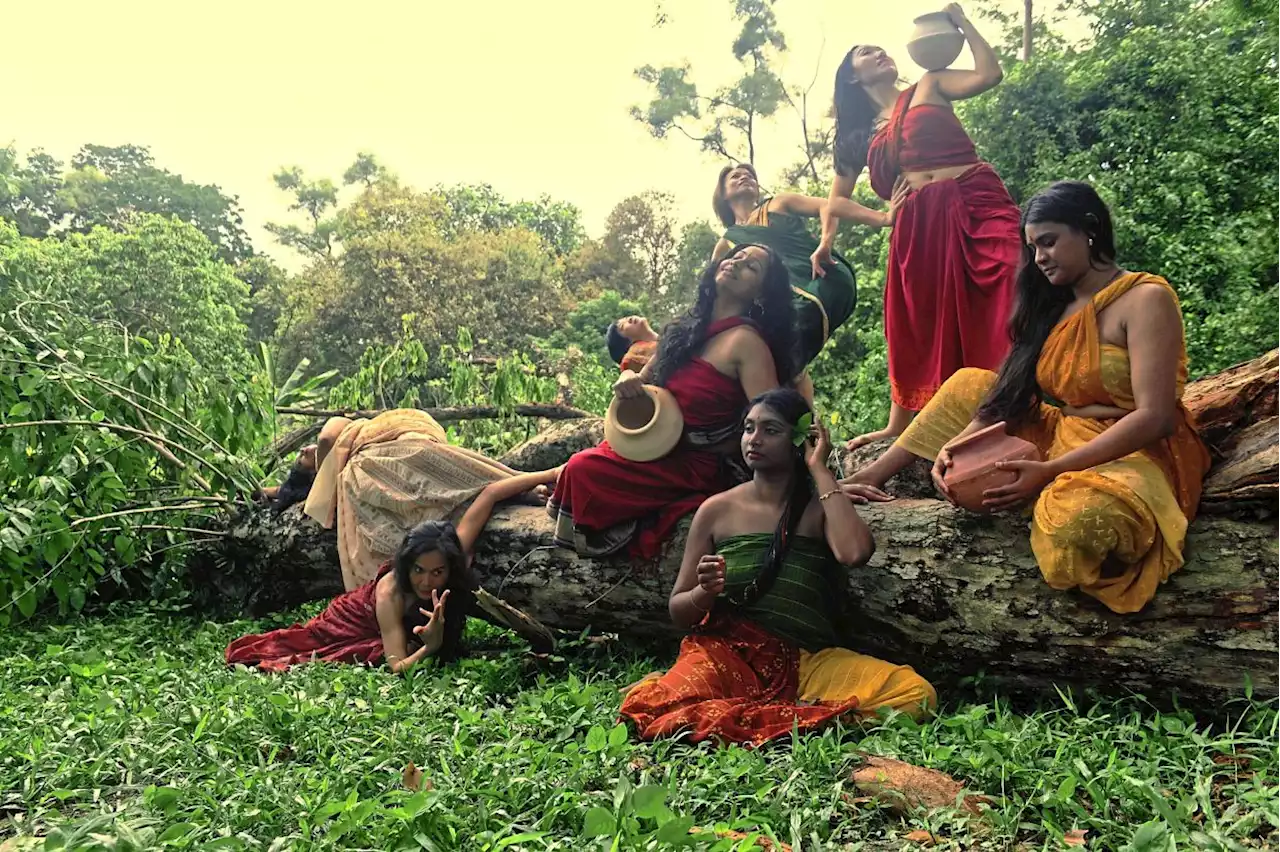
column 1223, row 402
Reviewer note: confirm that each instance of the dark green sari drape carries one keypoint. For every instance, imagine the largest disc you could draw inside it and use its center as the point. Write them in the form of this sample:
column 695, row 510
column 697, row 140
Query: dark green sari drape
column 821, row 304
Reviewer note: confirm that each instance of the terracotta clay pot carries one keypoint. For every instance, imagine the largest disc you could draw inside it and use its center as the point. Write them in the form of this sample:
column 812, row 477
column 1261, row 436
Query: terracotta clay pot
column 973, row 469
column 935, row 42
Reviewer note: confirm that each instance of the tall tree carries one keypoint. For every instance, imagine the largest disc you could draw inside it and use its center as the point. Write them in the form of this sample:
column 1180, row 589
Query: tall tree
column 479, row 207
column 598, row 266
column 644, row 228
column 697, row 241
column 154, row 277
column 404, row 253
column 315, row 198
column 725, row 122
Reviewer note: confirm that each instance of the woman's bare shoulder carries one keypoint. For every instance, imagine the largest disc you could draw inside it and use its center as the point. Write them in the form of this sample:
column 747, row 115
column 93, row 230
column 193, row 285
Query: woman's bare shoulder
column 726, row 500
column 386, row 591
column 1152, row 293
column 745, row 338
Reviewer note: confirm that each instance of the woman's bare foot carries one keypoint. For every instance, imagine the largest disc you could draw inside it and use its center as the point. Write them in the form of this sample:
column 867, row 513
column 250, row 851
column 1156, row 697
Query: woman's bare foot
column 869, row 437
column 545, row 492
column 869, row 480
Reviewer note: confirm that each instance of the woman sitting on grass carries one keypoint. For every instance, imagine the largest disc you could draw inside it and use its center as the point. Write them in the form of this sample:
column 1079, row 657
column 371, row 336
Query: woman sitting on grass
column 761, row 586
column 404, row 614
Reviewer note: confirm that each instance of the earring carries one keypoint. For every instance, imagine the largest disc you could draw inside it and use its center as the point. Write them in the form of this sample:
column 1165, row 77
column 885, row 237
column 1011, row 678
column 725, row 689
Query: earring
column 1091, row 241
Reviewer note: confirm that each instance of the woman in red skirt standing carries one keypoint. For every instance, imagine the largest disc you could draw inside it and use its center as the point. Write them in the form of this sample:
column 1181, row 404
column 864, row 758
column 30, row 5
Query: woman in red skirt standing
column 955, row 246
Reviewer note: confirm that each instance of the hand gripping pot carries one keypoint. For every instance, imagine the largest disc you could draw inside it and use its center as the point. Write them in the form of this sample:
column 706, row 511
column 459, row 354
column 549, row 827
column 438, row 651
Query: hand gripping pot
column 646, row 427
column 973, row 464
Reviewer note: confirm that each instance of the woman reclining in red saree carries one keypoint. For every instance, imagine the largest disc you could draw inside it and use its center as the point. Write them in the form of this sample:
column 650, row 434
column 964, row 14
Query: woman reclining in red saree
column 416, row 607
column 732, row 345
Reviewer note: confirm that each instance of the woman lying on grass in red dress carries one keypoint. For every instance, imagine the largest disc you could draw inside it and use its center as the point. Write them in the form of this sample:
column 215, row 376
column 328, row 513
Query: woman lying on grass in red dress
column 405, row 614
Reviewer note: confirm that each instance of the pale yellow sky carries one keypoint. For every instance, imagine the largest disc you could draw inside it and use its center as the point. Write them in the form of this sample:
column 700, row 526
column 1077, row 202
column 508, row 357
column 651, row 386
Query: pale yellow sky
column 531, row 97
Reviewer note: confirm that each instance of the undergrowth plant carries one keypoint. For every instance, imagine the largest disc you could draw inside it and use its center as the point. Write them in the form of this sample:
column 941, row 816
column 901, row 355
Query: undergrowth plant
column 114, row 446
column 129, row 732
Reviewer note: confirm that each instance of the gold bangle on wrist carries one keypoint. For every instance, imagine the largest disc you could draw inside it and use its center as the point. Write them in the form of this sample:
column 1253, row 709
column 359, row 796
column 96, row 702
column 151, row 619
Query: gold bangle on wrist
column 831, row 493
column 696, row 606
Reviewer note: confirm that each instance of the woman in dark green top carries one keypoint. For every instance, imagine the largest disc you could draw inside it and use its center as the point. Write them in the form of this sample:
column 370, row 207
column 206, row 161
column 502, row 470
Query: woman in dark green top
column 762, row 586
column 822, row 302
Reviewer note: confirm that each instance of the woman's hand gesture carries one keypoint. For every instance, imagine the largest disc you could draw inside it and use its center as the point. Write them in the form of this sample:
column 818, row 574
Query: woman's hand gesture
column 861, row 493
column 901, row 192
column 819, row 447
column 711, row 575
column 433, row 630
column 629, row 385
column 820, row 259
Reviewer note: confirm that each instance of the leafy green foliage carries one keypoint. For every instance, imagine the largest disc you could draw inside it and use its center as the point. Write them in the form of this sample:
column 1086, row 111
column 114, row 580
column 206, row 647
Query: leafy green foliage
column 107, row 186
column 1171, row 114
column 106, row 436
column 402, row 254
column 480, row 209
column 132, row 730
column 314, row 198
column 295, row 390
column 156, row 276
column 586, row 324
column 723, row 123
column 398, row 376
column 1249, row 9
column 851, row 374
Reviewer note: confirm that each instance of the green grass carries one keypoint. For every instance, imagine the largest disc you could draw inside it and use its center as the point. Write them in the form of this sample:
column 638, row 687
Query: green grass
column 128, row 732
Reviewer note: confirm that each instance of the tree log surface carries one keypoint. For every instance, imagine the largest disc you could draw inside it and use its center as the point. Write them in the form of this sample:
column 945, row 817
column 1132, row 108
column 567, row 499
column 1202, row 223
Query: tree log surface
column 950, row 593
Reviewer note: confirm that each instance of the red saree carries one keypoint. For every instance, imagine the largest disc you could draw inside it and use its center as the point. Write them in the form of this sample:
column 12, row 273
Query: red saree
column 953, row 254
column 346, row 632
column 603, row 502
column 734, row 681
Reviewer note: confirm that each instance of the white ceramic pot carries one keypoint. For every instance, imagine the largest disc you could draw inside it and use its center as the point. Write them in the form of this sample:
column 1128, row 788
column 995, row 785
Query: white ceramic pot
column 935, row 42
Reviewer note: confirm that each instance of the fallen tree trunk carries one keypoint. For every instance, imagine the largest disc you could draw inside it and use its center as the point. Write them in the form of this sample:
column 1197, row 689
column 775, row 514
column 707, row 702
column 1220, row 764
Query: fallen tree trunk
column 948, row 592
column 546, row 410
column 951, row 593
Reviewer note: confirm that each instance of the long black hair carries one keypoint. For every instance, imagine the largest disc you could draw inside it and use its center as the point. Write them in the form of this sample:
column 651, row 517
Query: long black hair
column 788, row 404
column 719, row 200
column 682, row 337
column 442, row 537
column 1016, row 395
column 855, row 119
column 616, row 343
column 295, row 488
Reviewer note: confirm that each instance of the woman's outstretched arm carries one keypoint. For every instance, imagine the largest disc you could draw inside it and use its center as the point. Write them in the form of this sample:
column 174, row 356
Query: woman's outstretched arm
column 481, row 508
column 840, row 205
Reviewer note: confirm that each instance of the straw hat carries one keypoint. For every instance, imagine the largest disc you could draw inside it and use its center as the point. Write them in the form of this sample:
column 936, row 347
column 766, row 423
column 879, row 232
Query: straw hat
column 644, row 428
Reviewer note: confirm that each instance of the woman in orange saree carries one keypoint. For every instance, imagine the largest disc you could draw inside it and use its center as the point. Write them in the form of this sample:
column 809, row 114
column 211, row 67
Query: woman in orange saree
column 1095, row 380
